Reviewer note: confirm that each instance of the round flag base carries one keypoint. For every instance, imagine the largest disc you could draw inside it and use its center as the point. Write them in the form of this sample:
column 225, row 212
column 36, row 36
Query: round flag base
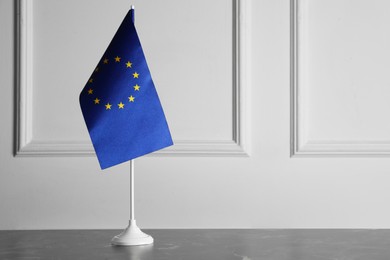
column 132, row 236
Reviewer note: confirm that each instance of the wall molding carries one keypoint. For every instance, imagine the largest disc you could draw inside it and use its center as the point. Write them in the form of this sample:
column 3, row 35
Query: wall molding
column 26, row 145
column 300, row 143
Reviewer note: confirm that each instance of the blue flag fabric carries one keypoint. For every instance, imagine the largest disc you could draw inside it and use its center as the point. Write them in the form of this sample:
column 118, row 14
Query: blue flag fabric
column 120, row 104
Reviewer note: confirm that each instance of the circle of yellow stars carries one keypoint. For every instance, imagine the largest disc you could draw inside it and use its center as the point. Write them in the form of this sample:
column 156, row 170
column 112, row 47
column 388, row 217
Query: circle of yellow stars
column 120, row 105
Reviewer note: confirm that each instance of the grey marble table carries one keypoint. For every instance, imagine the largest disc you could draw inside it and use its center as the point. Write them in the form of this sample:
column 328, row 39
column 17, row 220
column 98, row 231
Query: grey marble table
column 201, row 244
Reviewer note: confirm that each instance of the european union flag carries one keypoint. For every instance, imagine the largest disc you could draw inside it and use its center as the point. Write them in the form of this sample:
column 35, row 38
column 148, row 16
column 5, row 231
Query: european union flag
column 120, row 104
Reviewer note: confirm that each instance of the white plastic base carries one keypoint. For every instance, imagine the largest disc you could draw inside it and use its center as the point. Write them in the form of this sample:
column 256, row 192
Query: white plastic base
column 132, row 236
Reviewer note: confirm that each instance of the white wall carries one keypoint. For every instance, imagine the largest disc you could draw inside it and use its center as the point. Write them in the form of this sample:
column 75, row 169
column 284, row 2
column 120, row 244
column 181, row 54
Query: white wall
column 256, row 148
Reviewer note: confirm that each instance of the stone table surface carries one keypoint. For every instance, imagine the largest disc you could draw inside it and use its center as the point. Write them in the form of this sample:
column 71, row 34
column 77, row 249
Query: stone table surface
column 210, row 244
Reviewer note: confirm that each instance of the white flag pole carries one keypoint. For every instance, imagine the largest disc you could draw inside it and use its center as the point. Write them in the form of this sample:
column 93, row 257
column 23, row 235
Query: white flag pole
column 132, row 213
column 132, row 235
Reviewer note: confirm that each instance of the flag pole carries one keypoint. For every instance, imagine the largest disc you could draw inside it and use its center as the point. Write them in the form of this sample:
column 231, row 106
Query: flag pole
column 132, row 213
column 132, row 235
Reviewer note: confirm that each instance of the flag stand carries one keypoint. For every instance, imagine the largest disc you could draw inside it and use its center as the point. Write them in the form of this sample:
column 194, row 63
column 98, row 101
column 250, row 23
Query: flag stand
column 132, row 235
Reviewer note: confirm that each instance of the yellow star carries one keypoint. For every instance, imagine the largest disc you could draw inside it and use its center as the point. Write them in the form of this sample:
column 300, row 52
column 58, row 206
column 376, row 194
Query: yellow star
column 135, row 75
column 90, row 80
column 108, row 106
column 105, row 61
column 121, row 105
column 97, row 101
column 128, row 64
column 90, row 91
column 131, row 99
column 117, row 59
column 97, row 69
column 136, row 87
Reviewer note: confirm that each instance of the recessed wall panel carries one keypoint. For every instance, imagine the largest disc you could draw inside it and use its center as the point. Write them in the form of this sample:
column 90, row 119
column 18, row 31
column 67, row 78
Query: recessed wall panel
column 194, row 58
column 342, row 86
